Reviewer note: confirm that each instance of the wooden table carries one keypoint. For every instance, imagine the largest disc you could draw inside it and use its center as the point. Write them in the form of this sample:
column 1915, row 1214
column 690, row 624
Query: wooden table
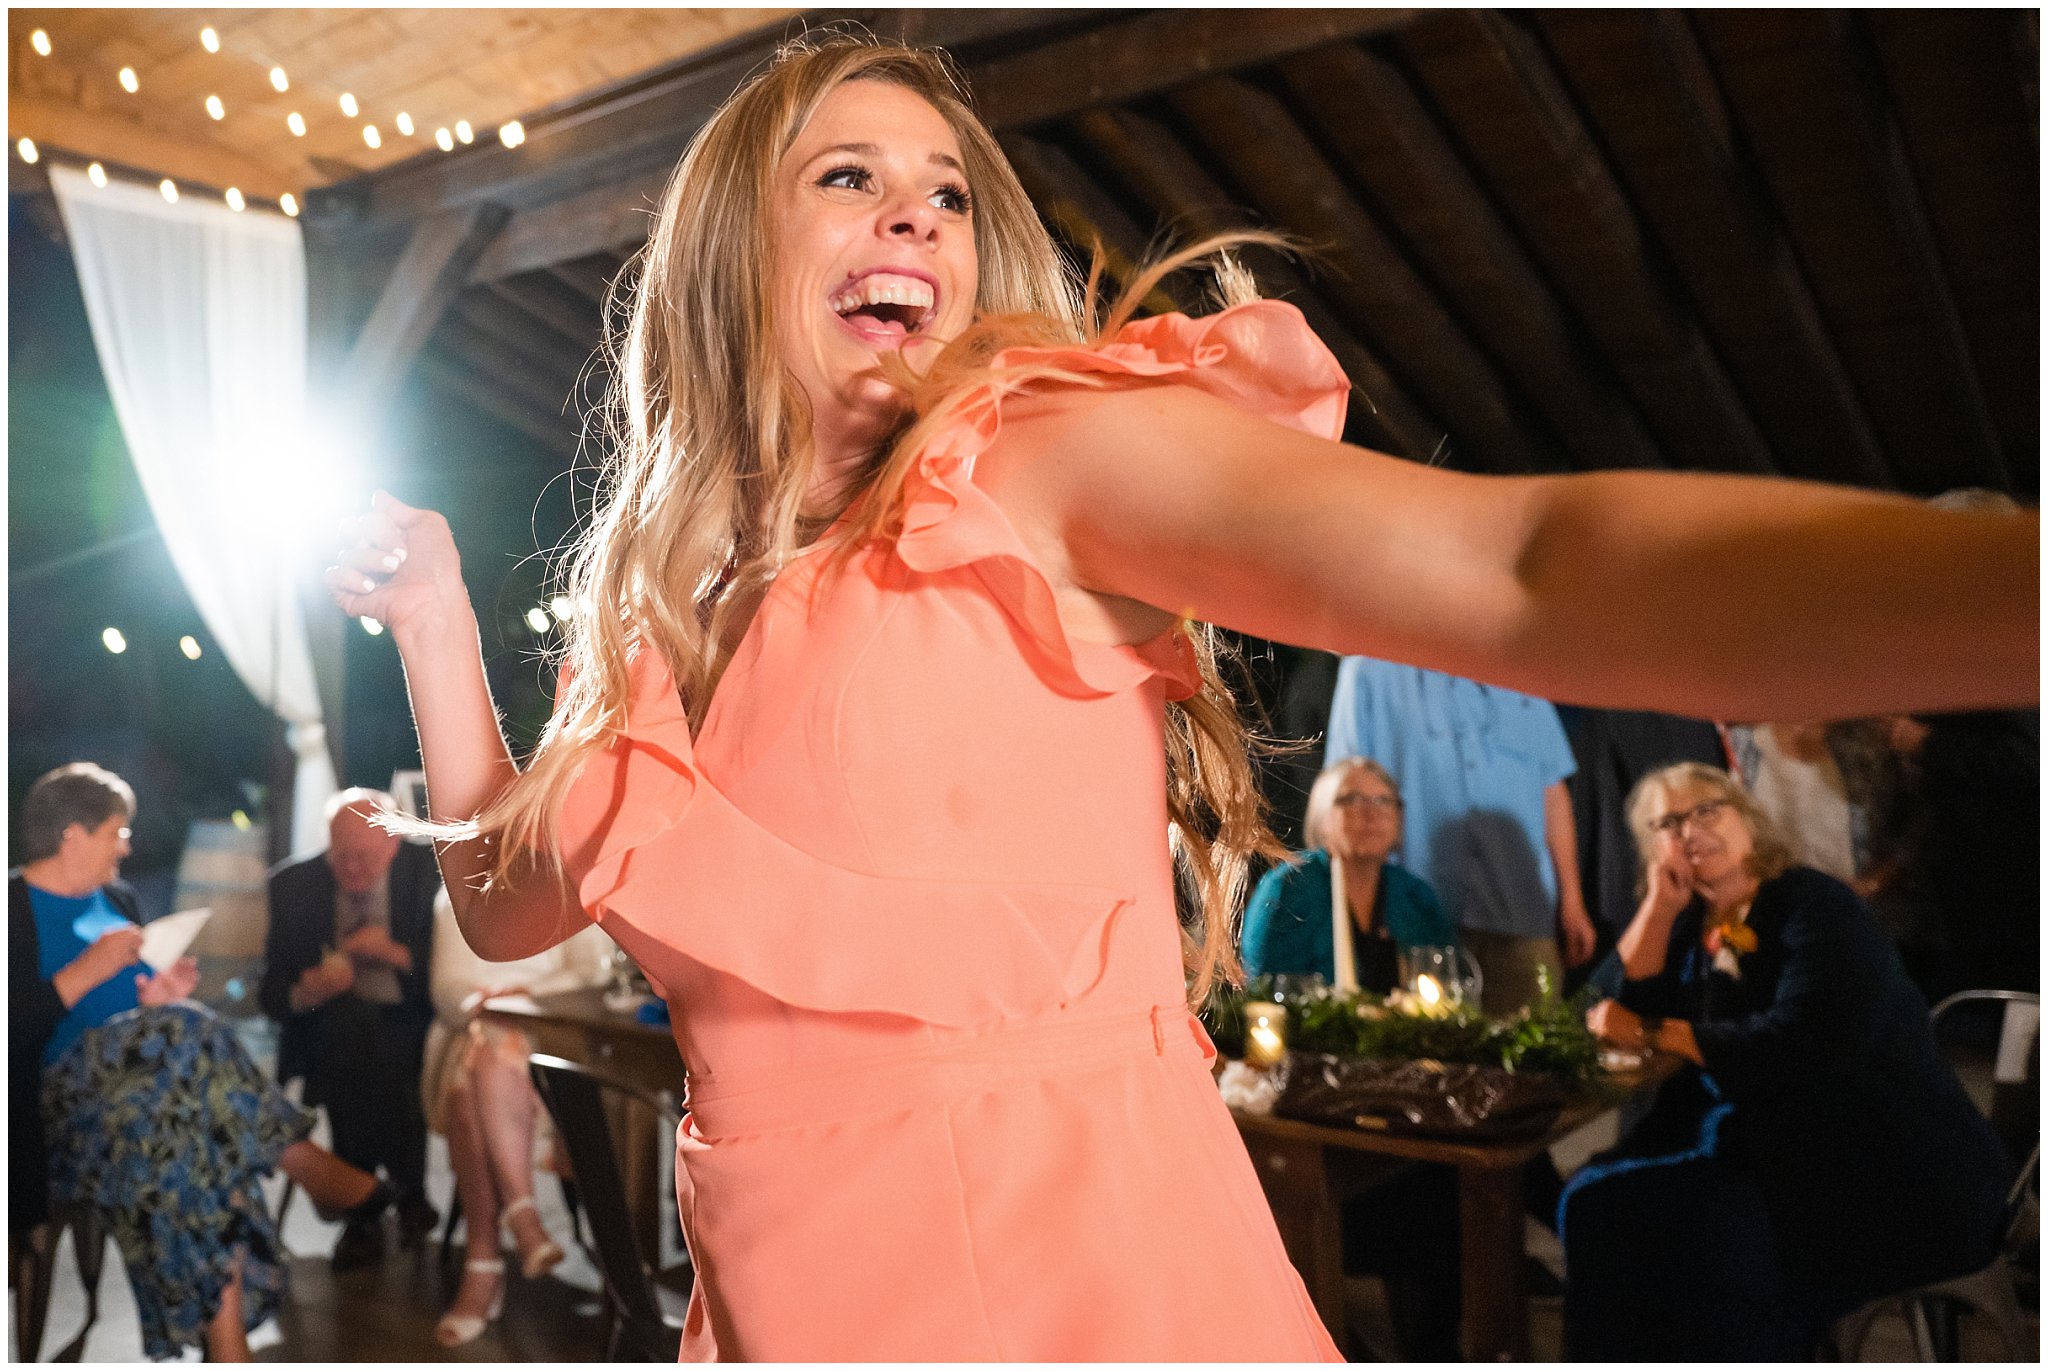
column 576, row 1025
column 1309, row 1171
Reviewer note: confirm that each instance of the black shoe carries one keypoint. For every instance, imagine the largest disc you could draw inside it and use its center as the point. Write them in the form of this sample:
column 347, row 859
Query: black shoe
column 367, row 1211
column 416, row 1219
column 361, row 1244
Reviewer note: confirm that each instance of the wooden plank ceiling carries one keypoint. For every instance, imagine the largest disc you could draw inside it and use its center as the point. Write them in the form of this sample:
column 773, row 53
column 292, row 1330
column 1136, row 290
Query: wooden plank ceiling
column 435, row 66
column 1794, row 242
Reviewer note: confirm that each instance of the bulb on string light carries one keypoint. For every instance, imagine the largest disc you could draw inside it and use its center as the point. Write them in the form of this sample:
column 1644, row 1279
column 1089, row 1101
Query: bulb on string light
column 404, row 122
column 40, row 41
column 537, row 619
column 371, row 626
column 296, row 122
column 563, row 608
column 512, row 134
column 215, row 108
column 209, row 40
column 278, row 82
column 97, row 174
column 348, row 104
column 129, row 82
column 170, row 190
column 445, row 140
column 235, row 200
column 372, row 137
column 188, row 644
column 463, row 133
column 115, row 640
column 288, row 205
column 27, row 148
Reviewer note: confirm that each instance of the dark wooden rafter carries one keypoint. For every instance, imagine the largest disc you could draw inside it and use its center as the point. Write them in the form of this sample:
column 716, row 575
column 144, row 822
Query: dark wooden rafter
column 1679, row 155
column 428, row 276
column 1949, row 345
column 1153, row 163
column 564, row 312
column 1261, row 147
column 602, row 219
column 1366, row 112
column 550, row 433
column 1517, row 121
column 559, row 368
column 537, row 387
column 1085, row 215
column 1138, row 57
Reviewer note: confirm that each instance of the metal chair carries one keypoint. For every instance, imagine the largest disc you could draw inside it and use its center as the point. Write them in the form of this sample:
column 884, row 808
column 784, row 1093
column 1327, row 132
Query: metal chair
column 1933, row 1312
column 577, row 1098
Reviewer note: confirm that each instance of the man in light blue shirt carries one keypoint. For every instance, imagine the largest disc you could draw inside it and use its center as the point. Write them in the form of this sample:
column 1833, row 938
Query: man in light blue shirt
column 1481, row 772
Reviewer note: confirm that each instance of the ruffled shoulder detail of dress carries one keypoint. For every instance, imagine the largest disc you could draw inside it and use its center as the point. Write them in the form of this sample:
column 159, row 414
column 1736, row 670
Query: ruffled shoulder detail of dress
column 647, row 839
column 1261, row 357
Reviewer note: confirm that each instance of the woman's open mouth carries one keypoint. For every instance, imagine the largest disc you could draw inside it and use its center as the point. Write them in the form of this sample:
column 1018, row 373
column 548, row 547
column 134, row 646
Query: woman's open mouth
column 885, row 306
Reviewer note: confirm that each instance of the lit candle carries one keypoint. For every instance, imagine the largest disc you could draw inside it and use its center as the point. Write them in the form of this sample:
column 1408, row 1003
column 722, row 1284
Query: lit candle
column 1265, row 1033
column 1429, row 993
column 1346, row 978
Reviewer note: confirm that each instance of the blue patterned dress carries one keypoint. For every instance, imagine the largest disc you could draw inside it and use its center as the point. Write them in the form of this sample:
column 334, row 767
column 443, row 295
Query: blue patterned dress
column 160, row 1122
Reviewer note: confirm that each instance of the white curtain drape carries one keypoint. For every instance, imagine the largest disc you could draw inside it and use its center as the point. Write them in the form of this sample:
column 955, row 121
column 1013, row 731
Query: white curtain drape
column 198, row 314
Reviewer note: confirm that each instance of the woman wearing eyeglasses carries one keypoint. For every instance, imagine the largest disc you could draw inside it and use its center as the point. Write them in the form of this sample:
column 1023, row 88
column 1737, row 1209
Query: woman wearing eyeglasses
column 1818, row 1155
column 1352, row 826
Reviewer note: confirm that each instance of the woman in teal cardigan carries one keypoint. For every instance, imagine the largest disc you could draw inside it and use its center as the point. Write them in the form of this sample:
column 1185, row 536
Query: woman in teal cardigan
column 1354, row 817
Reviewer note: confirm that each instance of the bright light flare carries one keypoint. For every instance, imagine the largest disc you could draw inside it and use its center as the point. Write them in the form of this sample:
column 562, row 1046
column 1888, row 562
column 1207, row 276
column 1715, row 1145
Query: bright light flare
column 404, row 122
column 537, row 619
column 215, row 108
column 209, row 40
column 286, row 203
column 27, row 148
column 169, row 189
column 189, row 645
column 235, row 200
column 40, row 41
column 372, row 137
column 370, row 626
column 97, row 174
column 115, row 641
column 348, row 104
column 563, row 608
column 463, row 132
column 278, row 81
column 445, row 140
column 129, row 82
column 296, row 122
column 512, row 134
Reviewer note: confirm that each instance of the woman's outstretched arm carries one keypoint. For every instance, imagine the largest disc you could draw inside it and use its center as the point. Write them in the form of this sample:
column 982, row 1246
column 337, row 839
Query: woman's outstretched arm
column 402, row 569
column 1719, row 597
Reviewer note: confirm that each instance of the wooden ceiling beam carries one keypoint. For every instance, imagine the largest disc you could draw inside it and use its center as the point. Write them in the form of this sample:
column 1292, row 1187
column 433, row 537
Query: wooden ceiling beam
column 91, row 135
column 602, row 219
column 559, row 366
column 1950, row 344
column 552, row 434
column 1266, row 153
column 429, row 274
column 1675, row 140
column 1370, row 116
column 1138, row 57
column 584, row 276
column 564, row 311
column 1150, row 160
column 537, row 386
column 1083, row 213
column 1517, row 121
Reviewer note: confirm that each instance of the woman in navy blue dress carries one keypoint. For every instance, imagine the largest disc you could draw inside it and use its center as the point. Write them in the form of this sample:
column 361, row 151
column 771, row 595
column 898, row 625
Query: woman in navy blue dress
column 1817, row 1154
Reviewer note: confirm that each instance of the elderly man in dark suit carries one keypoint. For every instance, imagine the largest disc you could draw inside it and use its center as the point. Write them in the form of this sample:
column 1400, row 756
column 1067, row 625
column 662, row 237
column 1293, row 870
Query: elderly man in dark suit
column 346, row 977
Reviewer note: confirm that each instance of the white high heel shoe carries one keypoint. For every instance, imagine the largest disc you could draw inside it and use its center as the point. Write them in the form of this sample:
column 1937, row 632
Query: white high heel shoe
column 454, row 1329
column 541, row 1259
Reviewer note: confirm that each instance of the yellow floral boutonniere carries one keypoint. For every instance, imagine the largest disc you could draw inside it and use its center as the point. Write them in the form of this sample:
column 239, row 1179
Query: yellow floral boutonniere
column 1729, row 941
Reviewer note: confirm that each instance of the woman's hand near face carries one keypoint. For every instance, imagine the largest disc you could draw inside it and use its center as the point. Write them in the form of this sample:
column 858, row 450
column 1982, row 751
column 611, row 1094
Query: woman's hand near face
column 1646, row 942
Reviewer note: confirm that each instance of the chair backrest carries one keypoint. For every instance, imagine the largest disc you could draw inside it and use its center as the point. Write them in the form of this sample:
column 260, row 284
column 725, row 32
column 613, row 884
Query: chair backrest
column 2014, row 1057
column 577, row 1098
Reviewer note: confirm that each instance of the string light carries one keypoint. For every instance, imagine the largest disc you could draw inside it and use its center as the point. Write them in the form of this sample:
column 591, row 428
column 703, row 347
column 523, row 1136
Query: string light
column 371, row 626
column 40, row 41
column 115, row 640
column 27, row 148
column 235, row 200
column 296, row 122
column 97, row 174
column 128, row 81
column 537, row 619
column 170, row 190
column 512, row 134
column 563, row 608
column 463, row 132
column 372, row 137
column 278, row 82
column 288, row 205
column 215, row 108
column 188, row 644
column 348, row 104
column 445, row 140
column 404, row 122
column 208, row 39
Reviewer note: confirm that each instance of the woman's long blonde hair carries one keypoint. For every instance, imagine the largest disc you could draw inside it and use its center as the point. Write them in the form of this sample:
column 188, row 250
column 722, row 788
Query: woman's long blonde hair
column 707, row 460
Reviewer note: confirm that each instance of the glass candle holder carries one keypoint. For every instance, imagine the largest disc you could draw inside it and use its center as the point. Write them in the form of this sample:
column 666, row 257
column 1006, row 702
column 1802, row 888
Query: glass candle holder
column 1265, row 1033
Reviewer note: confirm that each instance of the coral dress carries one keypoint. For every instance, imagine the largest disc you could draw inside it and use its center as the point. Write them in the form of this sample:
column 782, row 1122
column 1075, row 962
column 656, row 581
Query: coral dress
column 909, row 897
